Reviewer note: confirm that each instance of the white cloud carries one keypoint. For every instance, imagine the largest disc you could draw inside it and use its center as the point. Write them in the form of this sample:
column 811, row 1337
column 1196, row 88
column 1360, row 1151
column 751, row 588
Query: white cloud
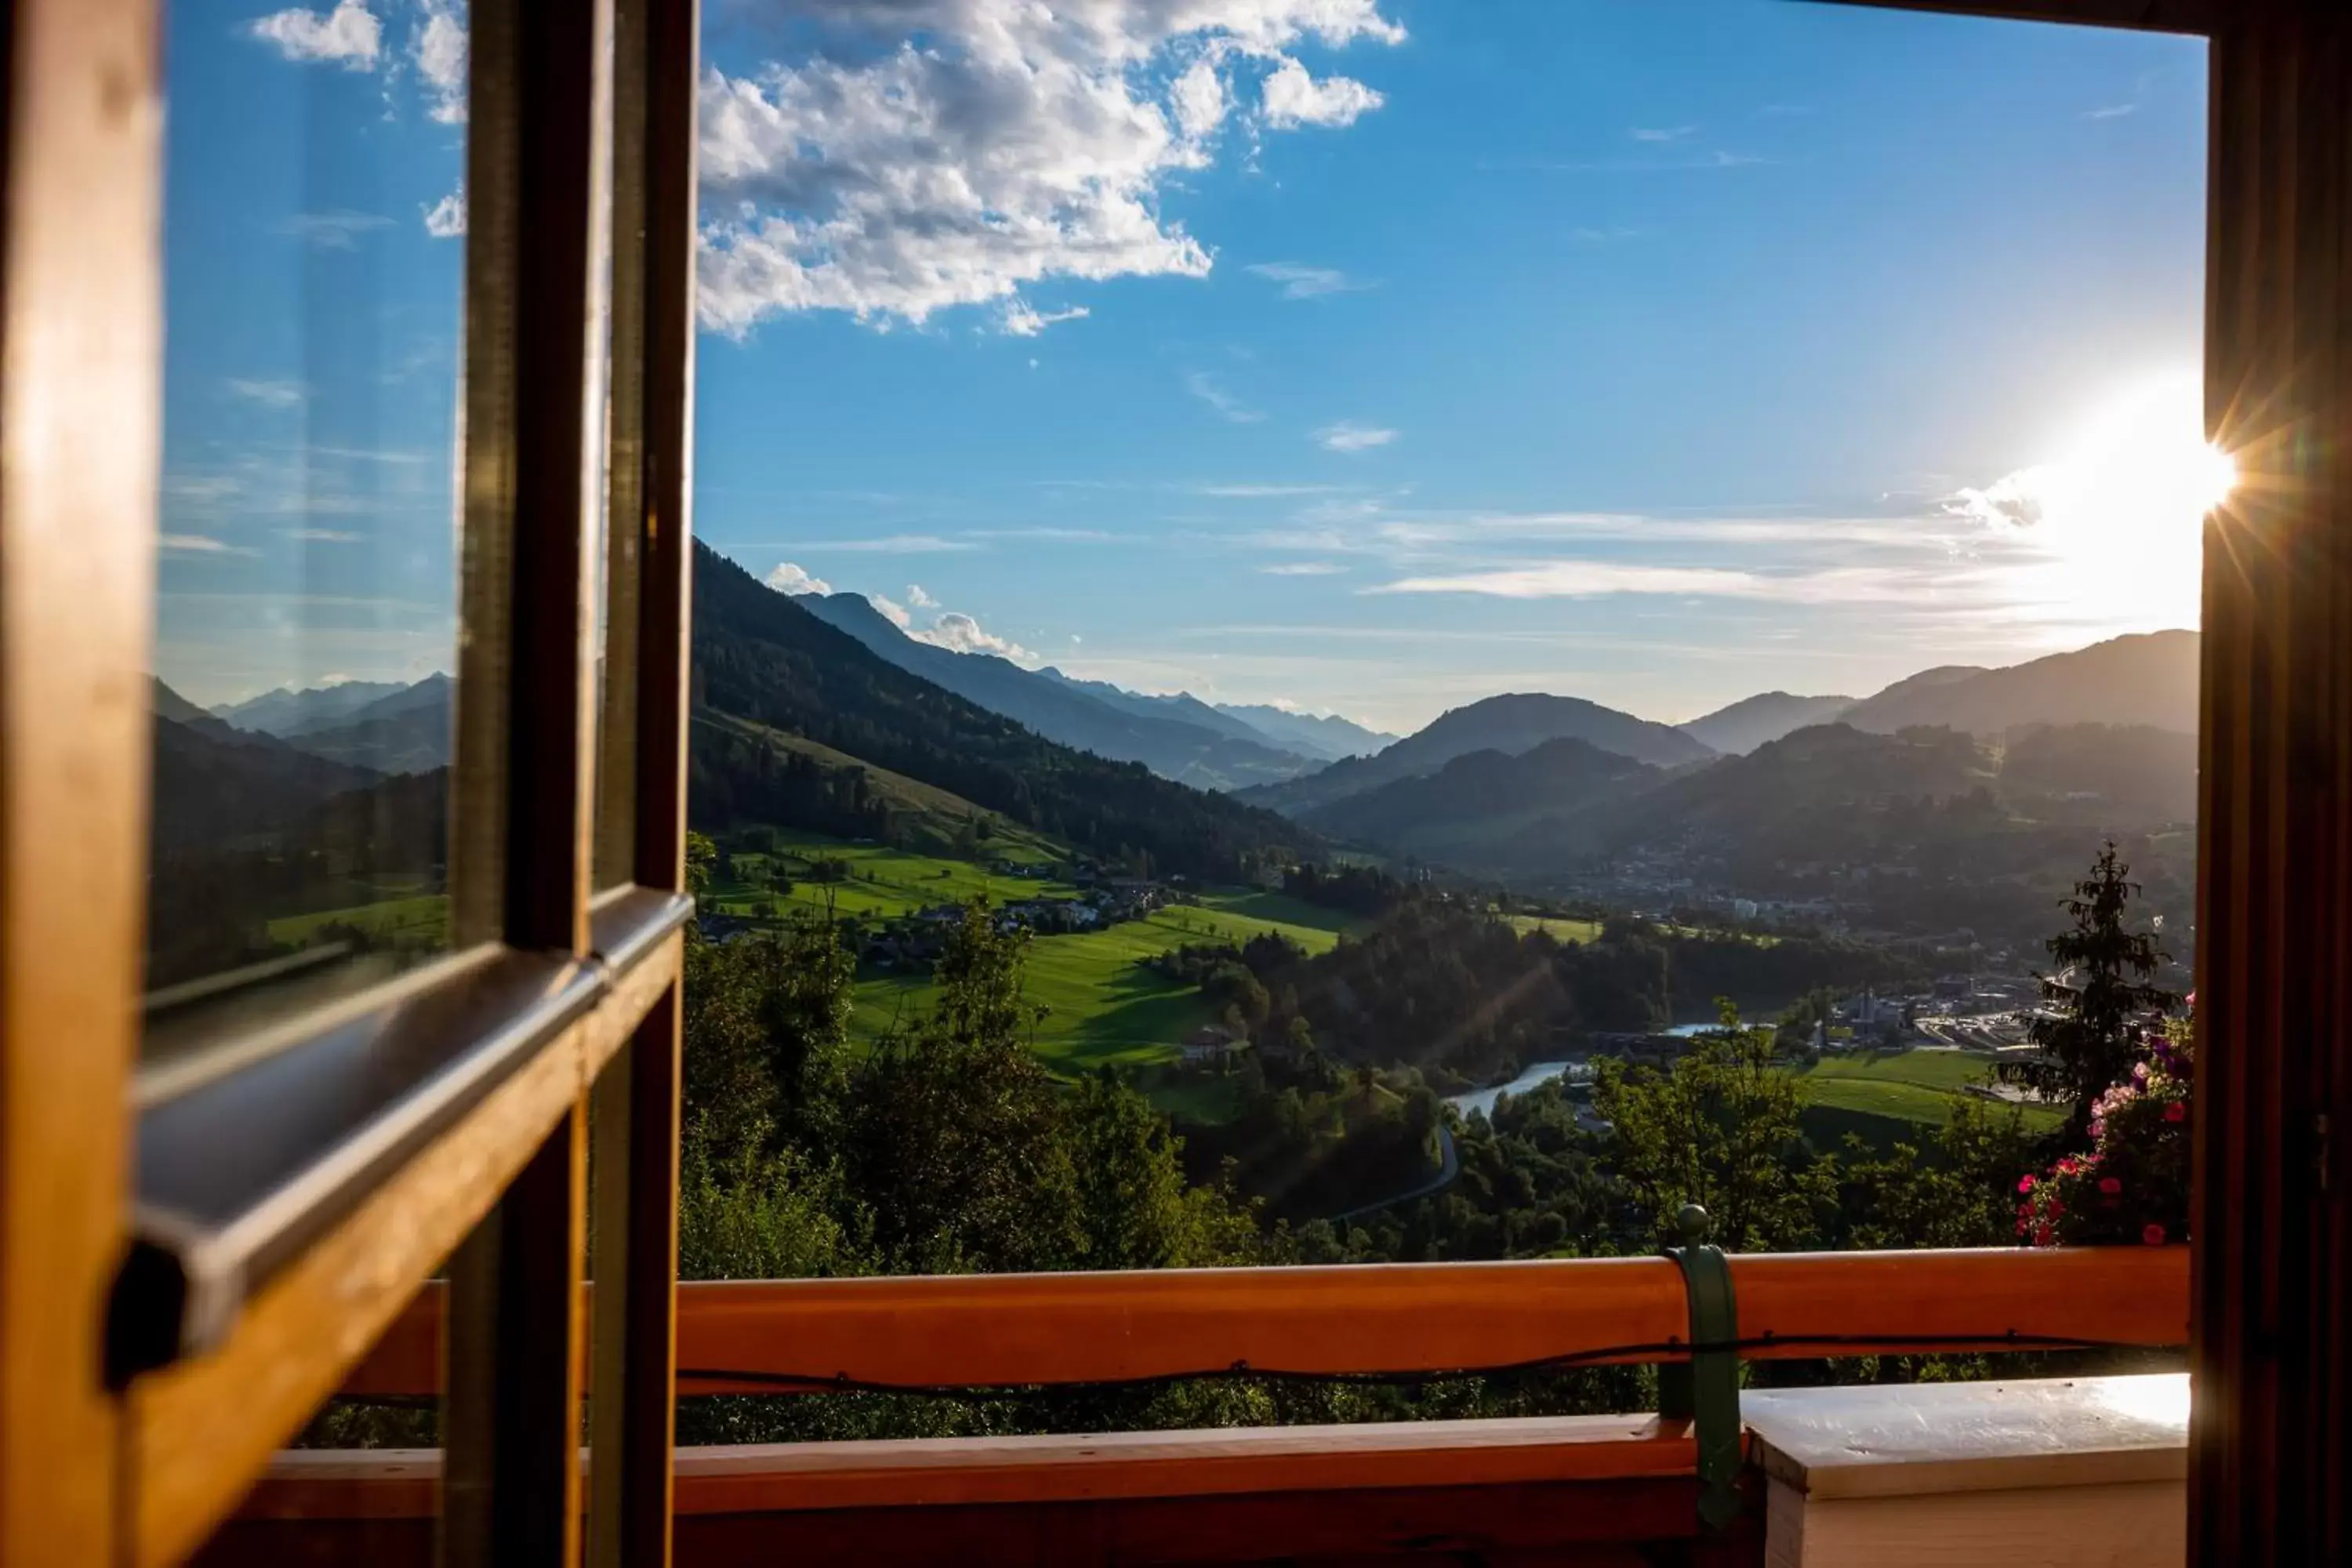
column 350, row 36
column 1349, row 437
column 891, row 545
column 1292, row 97
column 1198, row 99
column 789, row 578
column 1597, row 579
column 1209, row 390
column 1020, row 321
column 919, row 599
column 936, row 153
column 961, row 633
column 892, row 612
column 439, row 51
column 270, row 394
column 1303, row 282
column 199, row 544
column 323, row 536
column 1262, row 492
column 1304, row 569
column 338, row 230
column 2111, row 111
column 446, row 219
column 1677, row 133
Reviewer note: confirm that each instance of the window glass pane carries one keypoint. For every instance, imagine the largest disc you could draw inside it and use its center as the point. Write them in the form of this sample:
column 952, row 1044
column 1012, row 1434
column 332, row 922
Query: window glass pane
column 306, row 614
column 623, row 497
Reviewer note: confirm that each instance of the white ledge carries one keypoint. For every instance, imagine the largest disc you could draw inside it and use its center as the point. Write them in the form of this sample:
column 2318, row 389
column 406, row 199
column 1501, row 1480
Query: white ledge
column 1912, row 1439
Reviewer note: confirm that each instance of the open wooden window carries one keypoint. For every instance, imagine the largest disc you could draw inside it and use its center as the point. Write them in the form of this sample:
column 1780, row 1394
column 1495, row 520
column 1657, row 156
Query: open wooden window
column 394, row 937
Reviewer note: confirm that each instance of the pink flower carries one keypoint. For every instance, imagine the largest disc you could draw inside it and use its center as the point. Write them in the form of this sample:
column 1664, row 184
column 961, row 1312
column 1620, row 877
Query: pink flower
column 2109, row 1185
column 2153, row 1235
column 2175, row 1111
column 2139, row 1072
column 2099, row 1127
column 2025, row 1183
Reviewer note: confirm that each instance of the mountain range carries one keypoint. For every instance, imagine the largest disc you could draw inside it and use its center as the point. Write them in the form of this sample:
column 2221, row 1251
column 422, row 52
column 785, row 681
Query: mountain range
column 1177, row 738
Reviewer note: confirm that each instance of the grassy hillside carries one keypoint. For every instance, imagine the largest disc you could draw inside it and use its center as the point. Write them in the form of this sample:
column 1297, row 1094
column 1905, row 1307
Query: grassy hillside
column 921, row 816
column 1107, row 1007
column 1912, row 1086
column 759, row 657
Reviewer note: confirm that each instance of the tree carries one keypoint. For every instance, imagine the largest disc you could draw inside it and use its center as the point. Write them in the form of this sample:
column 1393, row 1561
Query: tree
column 1719, row 1129
column 2096, row 1001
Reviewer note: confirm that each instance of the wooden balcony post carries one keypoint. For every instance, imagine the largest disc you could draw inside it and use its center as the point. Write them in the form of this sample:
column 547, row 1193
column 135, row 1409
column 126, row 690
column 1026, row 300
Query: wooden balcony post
column 2270, row 1297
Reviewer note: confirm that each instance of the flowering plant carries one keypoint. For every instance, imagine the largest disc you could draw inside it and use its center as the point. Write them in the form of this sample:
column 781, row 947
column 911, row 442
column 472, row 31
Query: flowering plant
column 2132, row 1185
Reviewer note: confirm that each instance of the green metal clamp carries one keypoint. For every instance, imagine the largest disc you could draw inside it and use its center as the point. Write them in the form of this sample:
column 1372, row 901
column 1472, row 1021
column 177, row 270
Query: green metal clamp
column 1705, row 1390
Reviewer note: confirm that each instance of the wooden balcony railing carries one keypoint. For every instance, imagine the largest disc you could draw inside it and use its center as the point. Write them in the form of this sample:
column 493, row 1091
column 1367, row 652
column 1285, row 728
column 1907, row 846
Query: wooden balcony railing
column 1010, row 1329
column 1629, row 1476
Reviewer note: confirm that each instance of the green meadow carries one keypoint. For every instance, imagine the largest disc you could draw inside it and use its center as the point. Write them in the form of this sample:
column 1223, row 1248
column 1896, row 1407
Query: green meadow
column 1104, row 1005
column 1912, row 1086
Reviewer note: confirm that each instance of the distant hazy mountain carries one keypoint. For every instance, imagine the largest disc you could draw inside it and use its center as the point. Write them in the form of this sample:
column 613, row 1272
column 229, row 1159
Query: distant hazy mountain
column 1459, row 813
column 1184, row 707
column 1327, row 739
column 1749, row 722
column 1511, row 725
column 214, row 784
column 1061, row 710
column 411, row 730
column 288, row 711
column 2112, row 775
column 2150, row 679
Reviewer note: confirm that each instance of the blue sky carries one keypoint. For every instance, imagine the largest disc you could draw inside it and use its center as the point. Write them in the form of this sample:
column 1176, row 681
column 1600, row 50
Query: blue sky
column 1372, row 355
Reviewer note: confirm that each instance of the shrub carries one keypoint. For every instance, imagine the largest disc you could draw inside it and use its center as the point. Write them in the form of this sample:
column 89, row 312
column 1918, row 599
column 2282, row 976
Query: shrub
column 2132, row 1185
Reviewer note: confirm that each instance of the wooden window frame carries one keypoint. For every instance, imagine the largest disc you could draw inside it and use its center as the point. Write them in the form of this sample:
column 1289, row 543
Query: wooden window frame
column 194, row 1256
column 89, row 1473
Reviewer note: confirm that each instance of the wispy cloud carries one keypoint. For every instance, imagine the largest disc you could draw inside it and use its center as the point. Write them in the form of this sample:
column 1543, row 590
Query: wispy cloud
column 200, row 544
column 1303, row 569
column 268, row 393
column 1590, row 235
column 336, row 230
column 1598, row 579
column 1209, row 390
column 1303, row 283
column 1262, row 492
column 1351, row 438
column 1021, row 319
column 2111, row 111
column 1677, row 133
column 1716, row 160
column 1067, row 535
column 918, row 598
column 324, row 536
column 892, row 544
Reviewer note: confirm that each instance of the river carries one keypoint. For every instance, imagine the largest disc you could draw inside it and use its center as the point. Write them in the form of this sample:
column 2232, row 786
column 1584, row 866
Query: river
column 1483, row 1099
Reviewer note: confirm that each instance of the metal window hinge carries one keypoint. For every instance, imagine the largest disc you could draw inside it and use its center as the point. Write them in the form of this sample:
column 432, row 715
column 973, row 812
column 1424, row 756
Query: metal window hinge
column 1705, row 1391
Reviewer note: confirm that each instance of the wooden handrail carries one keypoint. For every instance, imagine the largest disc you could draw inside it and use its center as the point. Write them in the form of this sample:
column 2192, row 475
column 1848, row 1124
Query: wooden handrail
column 769, row 1477
column 1019, row 1328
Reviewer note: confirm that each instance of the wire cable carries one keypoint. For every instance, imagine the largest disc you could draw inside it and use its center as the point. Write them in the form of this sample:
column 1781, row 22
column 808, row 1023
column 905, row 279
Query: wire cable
column 1240, row 1371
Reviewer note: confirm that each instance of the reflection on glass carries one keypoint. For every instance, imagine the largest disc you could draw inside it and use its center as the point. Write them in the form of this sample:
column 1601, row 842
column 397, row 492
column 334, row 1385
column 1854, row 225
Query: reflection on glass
column 306, row 615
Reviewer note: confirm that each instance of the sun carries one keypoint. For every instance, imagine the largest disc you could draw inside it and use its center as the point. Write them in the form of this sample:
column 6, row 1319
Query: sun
column 2118, row 520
